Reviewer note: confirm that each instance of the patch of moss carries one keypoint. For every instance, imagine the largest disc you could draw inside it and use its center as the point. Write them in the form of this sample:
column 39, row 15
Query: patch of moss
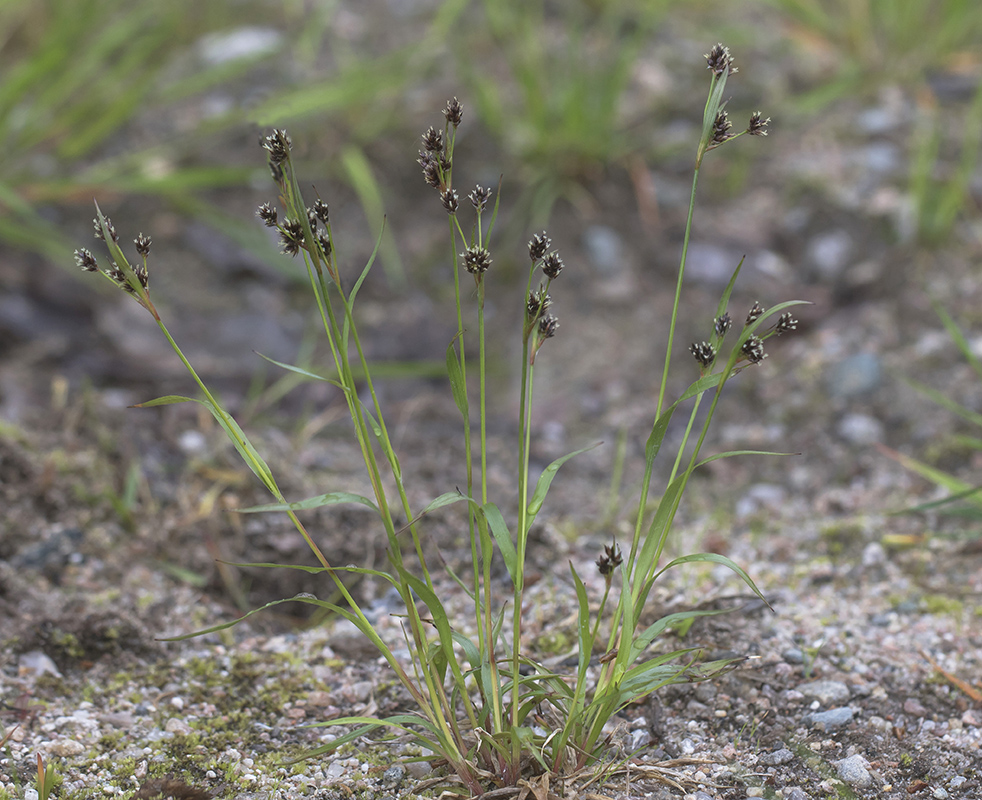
column 552, row 643
column 942, row 604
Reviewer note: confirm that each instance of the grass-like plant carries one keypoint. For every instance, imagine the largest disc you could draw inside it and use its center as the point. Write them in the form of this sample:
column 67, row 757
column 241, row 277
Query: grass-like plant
column 964, row 499
column 76, row 74
column 482, row 704
column 567, row 68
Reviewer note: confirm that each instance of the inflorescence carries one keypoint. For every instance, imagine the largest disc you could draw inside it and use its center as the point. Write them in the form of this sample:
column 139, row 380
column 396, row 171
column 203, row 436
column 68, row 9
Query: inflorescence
column 752, row 349
column 720, row 62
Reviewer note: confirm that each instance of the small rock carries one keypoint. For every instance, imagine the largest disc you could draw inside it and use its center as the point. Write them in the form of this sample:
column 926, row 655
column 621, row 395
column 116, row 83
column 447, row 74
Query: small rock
column 419, row 769
column 710, row 263
column 393, row 777
column 358, row 692
column 972, row 717
column 335, row 771
column 855, row 376
column 853, row 770
column 860, row 429
column 66, row 747
column 874, row 554
column 244, row 42
column 794, row 793
column 911, row 706
column 639, row 739
column 35, row 664
column 826, row 692
column 319, row 699
column 605, row 249
column 177, row 726
column 778, row 757
column 761, row 497
column 793, row 656
column 829, row 720
column 830, row 253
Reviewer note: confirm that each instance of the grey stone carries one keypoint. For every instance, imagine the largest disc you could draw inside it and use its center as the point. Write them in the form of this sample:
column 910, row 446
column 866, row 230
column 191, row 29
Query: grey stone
column 860, row 429
column 853, row 770
column 855, row 376
column 778, row 757
column 826, row 692
column 710, row 263
column 794, row 793
column 393, row 777
column 829, row 720
column 830, row 253
column 605, row 249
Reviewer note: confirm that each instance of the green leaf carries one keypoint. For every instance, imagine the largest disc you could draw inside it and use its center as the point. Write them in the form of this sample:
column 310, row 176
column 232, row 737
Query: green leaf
column 501, row 535
column 300, row 598
column 584, row 633
column 653, row 631
column 321, row 500
column 731, row 453
column 653, row 445
column 235, row 434
column 545, row 481
column 170, row 399
column 716, row 558
column 445, row 499
column 400, row 722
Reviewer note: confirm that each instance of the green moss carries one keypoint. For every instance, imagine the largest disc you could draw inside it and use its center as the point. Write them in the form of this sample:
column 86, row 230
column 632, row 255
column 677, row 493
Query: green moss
column 942, row 604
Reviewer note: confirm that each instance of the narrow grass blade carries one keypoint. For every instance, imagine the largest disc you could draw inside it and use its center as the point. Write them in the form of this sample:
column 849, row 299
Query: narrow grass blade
column 545, row 481
column 241, row 442
column 321, row 500
column 499, row 529
column 716, row 558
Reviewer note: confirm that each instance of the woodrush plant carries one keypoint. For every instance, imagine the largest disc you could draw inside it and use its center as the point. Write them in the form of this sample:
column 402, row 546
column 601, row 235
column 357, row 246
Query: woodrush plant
column 493, row 713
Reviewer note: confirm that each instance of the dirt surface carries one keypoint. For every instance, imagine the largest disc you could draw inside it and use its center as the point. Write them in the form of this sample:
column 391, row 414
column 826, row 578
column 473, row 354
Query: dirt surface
column 865, row 680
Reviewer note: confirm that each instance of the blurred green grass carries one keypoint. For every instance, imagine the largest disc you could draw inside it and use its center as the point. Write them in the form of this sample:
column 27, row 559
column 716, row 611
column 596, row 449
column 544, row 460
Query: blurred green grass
column 112, row 96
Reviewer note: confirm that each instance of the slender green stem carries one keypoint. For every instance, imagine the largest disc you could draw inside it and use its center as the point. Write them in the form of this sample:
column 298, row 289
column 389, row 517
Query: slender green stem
column 678, row 294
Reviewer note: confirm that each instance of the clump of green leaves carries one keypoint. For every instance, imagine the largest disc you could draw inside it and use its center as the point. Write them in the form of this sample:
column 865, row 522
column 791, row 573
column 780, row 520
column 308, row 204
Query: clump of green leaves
column 494, row 714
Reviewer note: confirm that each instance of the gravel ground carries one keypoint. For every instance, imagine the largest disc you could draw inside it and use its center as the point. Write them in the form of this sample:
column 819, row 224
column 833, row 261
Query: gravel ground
column 864, row 681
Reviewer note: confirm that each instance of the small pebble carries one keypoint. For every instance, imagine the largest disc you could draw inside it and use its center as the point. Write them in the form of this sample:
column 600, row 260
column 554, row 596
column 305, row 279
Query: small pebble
column 829, row 720
column 778, row 757
column 830, row 253
column 66, row 747
column 826, row 692
column 393, row 777
column 177, row 726
column 860, row 429
column 855, row 376
column 853, row 770
column 911, row 706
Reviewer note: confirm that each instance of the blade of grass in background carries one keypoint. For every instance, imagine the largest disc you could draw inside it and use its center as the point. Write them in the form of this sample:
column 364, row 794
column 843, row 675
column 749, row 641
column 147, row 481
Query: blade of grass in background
column 78, row 75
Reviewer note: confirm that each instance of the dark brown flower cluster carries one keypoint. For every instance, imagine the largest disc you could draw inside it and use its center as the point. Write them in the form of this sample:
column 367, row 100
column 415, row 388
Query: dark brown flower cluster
column 436, row 157
column 85, row 261
column 752, row 349
column 720, row 61
column 293, row 232
column 609, row 561
column 538, row 299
